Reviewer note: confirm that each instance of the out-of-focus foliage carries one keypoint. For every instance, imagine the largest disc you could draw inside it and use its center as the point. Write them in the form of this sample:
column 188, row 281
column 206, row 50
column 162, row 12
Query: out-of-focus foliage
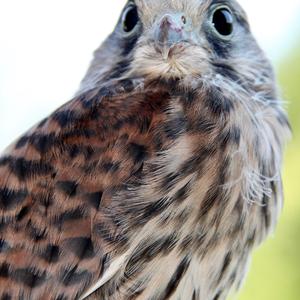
column 275, row 269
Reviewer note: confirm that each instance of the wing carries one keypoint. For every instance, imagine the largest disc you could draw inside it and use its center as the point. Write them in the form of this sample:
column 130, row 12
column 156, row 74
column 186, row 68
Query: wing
column 60, row 228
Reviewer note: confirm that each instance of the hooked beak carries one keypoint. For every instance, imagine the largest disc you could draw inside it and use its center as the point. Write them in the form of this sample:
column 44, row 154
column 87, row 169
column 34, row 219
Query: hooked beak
column 172, row 29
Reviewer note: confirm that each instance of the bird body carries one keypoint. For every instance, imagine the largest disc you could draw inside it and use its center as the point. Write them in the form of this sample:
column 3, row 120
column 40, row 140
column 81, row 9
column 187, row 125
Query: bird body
column 161, row 175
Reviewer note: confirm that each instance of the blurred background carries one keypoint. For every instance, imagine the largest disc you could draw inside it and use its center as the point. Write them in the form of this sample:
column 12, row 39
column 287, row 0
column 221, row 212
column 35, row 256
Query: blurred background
column 45, row 48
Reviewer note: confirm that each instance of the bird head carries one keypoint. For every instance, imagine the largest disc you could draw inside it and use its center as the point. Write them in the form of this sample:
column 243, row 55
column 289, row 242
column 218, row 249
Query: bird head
column 189, row 40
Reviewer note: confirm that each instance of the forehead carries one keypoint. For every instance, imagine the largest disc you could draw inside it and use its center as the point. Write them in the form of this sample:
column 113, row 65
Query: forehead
column 154, row 6
column 149, row 9
column 170, row 3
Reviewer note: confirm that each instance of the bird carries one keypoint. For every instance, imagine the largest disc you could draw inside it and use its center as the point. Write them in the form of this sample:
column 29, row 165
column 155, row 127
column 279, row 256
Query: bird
column 162, row 174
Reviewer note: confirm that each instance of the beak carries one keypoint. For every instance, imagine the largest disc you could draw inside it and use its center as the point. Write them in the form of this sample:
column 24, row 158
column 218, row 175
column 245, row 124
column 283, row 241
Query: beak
column 172, row 29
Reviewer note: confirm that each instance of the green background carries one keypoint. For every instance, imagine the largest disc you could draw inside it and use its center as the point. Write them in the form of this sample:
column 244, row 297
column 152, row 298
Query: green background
column 275, row 269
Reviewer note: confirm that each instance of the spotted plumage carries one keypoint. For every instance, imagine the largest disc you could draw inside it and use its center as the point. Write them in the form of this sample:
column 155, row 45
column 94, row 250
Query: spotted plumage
column 161, row 175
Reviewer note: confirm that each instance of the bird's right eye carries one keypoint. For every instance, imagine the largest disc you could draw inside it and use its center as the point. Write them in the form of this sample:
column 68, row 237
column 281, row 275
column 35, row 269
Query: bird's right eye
column 130, row 18
column 222, row 21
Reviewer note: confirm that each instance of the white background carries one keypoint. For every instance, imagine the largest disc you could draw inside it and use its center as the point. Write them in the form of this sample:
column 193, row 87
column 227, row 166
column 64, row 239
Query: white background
column 46, row 46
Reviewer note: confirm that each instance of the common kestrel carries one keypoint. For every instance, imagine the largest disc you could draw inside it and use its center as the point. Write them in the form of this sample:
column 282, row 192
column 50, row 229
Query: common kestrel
column 161, row 175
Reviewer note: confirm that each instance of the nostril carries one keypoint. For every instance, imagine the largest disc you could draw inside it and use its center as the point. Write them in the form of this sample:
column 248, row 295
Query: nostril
column 171, row 28
column 176, row 23
column 165, row 22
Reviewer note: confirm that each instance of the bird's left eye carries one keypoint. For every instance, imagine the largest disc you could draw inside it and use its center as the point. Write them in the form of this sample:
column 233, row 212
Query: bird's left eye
column 222, row 20
column 130, row 18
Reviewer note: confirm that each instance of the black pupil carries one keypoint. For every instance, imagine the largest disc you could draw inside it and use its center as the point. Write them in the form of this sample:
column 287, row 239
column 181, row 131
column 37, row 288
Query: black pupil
column 130, row 19
column 223, row 21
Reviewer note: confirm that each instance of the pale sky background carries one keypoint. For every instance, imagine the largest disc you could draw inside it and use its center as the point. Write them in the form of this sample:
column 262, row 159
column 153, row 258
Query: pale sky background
column 46, row 46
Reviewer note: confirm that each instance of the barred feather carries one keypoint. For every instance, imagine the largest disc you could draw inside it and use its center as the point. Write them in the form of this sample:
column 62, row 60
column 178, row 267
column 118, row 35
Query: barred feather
column 156, row 181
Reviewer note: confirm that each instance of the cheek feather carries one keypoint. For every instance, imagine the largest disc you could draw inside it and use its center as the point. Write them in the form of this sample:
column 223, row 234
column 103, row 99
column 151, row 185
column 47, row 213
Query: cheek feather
column 179, row 62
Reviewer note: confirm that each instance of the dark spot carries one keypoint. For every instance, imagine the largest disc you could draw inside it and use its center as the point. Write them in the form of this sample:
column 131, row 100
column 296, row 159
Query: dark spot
column 74, row 151
column 4, row 222
column 4, row 246
column 265, row 211
column 94, row 199
column 186, row 243
column 22, row 142
column 37, row 234
column 93, row 102
column 131, row 119
column 127, row 85
column 202, row 125
column 9, row 199
column 170, row 180
column 158, row 142
column 216, row 192
column 209, row 200
column 218, row 103
column 274, row 191
column 45, row 200
column 137, row 152
column 144, row 125
column 168, row 243
column 29, row 277
column 235, row 134
column 176, row 278
column 104, row 92
column 171, row 84
column 127, row 44
column 43, row 143
column 4, row 270
column 25, row 169
column 104, row 263
column 51, row 253
column 224, row 139
column 225, row 266
column 189, row 97
column 22, row 214
column 217, row 296
column 82, row 247
column 226, row 71
column 72, row 276
column 69, row 215
column 119, row 69
column 6, row 297
column 153, row 209
column 94, row 115
column 110, row 167
column 283, row 120
column 175, row 127
column 147, row 251
column 88, row 152
column 68, row 187
column 107, row 234
column 64, row 118
column 194, row 296
column 197, row 162
column 200, row 238
column 61, row 297
column 135, row 290
column 118, row 124
column 182, row 193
